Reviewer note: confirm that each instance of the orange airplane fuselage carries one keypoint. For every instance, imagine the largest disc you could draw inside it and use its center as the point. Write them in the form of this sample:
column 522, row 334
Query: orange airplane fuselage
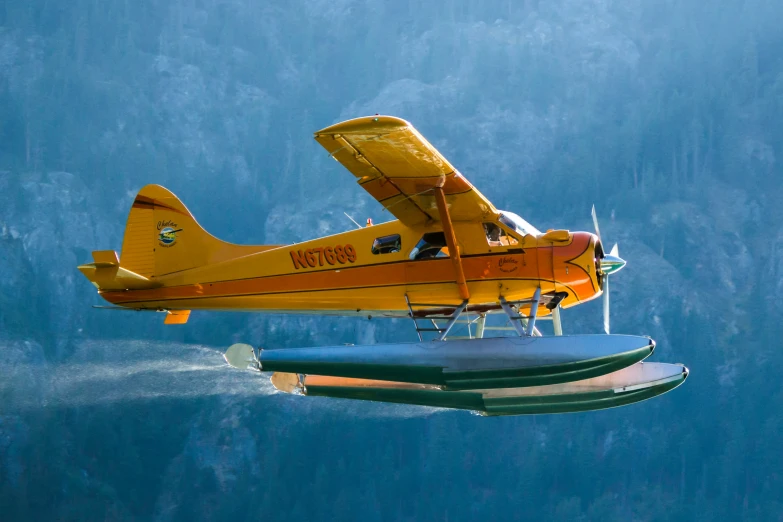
column 341, row 274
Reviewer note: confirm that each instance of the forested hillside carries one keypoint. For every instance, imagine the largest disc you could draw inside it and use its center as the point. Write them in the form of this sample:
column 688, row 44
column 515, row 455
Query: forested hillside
column 665, row 115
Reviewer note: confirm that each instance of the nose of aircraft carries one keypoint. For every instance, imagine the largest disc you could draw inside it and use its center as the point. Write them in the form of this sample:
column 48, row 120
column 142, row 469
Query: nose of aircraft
column 607, row 265
column 612, row 263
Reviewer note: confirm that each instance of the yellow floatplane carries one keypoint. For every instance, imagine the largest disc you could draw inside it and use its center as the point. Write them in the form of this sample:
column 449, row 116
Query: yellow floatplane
column 449, row 257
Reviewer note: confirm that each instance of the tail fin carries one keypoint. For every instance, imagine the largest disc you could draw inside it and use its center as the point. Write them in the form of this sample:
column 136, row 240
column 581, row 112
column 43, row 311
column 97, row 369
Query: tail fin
column 161, row 237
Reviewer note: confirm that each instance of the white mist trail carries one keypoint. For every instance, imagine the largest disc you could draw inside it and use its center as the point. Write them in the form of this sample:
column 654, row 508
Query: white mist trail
column 119, row 373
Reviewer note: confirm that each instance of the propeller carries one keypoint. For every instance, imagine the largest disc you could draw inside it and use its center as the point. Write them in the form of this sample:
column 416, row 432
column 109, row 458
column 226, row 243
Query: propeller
column 609, row 264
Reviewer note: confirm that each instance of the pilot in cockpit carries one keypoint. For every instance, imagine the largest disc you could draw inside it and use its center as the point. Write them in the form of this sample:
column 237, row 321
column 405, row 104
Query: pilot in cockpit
column 493, row 234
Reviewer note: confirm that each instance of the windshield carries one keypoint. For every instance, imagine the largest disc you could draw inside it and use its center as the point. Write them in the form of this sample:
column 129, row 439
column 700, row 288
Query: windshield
column 515, row 222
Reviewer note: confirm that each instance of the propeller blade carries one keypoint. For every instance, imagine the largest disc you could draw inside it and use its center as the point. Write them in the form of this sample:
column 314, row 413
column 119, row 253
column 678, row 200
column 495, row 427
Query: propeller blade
column 605, row 288
column 595, row 224
column 609, row 264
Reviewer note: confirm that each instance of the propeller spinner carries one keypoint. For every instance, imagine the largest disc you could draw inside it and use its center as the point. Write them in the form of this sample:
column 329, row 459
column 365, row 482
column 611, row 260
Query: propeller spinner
column 608, row 264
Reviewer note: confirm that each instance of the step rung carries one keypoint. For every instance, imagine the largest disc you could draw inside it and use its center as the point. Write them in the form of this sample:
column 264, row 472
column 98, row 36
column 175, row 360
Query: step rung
column 500, row 328
column 435, row 305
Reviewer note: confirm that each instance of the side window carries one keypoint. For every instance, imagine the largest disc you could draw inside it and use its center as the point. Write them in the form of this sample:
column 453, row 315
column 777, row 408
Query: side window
column 387, row 244
column 431, row 245
column 497, row 236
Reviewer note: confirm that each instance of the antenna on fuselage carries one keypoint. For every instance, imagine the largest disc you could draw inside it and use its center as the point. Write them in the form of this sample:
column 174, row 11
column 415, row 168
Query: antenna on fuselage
column 353, row 220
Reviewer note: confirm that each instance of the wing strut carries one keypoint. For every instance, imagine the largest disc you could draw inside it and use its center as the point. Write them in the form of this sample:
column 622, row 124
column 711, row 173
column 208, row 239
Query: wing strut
column 451, row 242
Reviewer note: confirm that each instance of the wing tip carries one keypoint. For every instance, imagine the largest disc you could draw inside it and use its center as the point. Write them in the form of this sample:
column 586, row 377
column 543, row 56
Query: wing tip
column 364, row 124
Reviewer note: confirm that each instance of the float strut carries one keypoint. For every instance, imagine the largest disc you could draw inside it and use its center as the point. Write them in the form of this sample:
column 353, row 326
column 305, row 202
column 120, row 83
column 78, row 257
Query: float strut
column 556, row 320
column 452, row 320
column 516, row 320
column 480, row 322
column 531, row 322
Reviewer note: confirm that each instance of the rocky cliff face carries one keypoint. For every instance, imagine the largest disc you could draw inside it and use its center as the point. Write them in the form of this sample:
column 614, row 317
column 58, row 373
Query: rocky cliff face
column 664, row 116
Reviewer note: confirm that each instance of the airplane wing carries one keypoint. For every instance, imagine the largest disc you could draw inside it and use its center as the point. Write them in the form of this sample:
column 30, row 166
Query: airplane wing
column 399, row 168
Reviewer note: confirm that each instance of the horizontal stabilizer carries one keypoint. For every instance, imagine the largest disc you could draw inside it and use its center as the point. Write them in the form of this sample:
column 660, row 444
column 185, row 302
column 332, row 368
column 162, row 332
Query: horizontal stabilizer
column 106, row 273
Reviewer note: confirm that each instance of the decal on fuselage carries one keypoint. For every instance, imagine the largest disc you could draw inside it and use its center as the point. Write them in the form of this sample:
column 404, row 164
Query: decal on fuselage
column 508, row 264
column 313, row 257
column 167, row 233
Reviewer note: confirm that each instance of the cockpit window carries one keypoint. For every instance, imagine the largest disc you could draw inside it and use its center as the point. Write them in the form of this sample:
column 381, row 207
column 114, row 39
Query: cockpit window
column 387, row 244
column 497, row 236
column 517, row 224
column 431, row 245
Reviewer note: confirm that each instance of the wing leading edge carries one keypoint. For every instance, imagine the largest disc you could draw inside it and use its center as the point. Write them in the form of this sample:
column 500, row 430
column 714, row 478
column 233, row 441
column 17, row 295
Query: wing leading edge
column 399, row 168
